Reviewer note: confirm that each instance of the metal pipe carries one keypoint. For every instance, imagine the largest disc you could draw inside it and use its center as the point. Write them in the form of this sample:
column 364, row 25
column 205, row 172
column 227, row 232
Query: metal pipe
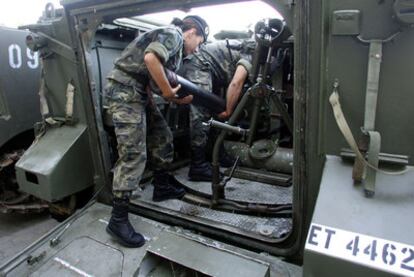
column 268, row 64
column 280, row 161
column 201, row 96
column 253, row 120
column 258, row 56
column 217, row 190
column 283, row 112
column 256, row 207
column 259, row 97
column 283, row 210
column 226, row 127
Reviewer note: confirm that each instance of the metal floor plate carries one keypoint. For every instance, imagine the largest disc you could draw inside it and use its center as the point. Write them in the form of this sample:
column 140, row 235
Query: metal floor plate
column 237, row 189
column 86, row 249
column 80, row 258
column 242, row 190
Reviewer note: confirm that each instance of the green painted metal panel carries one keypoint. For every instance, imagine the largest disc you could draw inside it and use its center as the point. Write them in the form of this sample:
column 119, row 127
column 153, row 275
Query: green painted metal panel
column 86, row 246
column 57, row 165
column 343, row 210
column 205, row 259
column 346, row 59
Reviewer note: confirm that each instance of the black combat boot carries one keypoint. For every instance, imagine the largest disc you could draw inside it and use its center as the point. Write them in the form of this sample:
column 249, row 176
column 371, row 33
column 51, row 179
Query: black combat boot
column 164, row 189
column 119, row 226
column 200, row 168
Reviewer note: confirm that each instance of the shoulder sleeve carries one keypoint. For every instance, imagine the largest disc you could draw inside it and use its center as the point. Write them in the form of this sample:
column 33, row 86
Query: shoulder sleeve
column 159, row 50
column 246, row 64
column 246, row 53
column 165, row 43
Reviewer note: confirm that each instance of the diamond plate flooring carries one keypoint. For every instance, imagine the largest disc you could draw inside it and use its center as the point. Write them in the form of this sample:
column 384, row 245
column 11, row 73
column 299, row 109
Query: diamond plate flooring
column 236, row 189
column 242, row 190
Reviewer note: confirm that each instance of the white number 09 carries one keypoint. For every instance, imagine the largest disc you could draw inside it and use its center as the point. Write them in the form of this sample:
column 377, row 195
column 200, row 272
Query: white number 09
column 15, row 57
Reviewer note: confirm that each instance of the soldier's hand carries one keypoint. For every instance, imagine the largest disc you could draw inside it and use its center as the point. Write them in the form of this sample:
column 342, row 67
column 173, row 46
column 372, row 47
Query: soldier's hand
column 184, row 100
column 172, row 94
column 223, row 115
column 175, row 90
column 173, row 97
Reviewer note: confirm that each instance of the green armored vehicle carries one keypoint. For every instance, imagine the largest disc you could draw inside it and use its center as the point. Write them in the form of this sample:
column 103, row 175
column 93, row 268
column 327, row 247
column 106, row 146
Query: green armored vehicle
column 20, row 109
column 16, row 117
column 323, row 181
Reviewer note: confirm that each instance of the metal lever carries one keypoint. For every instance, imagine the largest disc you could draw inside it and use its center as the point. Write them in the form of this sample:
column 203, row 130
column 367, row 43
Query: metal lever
column 227, row 179
column 56, row 240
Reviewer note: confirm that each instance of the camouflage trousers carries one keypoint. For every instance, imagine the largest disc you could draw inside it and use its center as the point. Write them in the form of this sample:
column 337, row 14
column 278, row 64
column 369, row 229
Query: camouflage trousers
column 199, row 132
column 141, row 132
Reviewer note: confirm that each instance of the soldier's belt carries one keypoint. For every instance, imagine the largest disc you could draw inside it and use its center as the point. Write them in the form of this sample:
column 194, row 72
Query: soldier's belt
column 201, row 96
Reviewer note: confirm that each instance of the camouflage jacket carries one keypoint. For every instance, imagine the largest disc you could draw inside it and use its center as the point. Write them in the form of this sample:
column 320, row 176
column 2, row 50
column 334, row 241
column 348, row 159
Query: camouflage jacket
column 214, row 65
column 130, row 68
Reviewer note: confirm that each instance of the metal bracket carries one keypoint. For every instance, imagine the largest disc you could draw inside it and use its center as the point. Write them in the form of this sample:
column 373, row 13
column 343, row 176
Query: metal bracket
column 33, row 260
column 60, row 48
column 283, row 111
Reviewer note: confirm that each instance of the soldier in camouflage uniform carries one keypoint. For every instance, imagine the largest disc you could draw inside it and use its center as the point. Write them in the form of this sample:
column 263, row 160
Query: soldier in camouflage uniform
column 139, row 125
column 217, row 66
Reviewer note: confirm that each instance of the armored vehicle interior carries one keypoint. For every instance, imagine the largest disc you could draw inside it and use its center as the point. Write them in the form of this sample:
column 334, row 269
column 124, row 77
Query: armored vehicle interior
column 254, row 201
column 252, row 205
